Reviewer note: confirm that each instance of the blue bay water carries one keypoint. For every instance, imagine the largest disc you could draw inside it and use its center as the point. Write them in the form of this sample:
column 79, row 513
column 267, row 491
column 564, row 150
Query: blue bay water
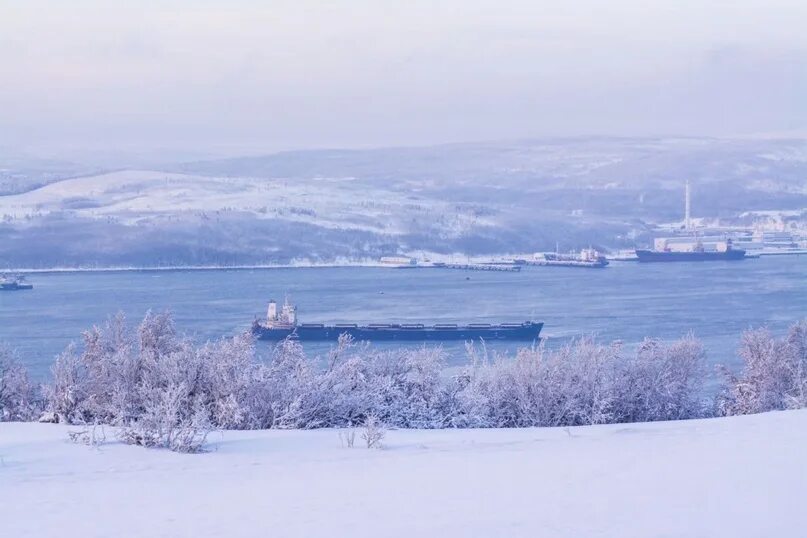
column 626, row 301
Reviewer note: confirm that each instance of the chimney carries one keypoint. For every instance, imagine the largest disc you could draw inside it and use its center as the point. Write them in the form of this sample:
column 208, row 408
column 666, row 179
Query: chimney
column 687, row 215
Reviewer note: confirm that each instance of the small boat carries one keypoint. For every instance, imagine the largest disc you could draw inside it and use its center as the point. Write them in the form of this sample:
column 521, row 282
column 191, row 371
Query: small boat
column 14, row 283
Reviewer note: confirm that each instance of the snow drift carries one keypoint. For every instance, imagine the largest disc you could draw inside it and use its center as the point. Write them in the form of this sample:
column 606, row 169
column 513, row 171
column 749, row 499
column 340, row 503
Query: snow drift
column 728, row 477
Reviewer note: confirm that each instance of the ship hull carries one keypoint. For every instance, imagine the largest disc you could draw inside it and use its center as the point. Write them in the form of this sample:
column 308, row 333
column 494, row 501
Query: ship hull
column 529, row 331
column 664, row 256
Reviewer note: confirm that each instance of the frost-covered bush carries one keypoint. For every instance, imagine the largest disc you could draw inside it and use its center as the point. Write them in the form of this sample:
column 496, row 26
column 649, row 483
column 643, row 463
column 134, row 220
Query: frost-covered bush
column 539, row 387
column 98, row 384
column 230, row 384
column 158, row 388
column 161, row 390
column 662, row 382
column 68, row 394
column 173, row 417
column 407, row 388
column 17, row 394
column 581, row 383
column 401, row 387
column 774, row 373
column 349, row 388
column 290, row 389
column 373, row 432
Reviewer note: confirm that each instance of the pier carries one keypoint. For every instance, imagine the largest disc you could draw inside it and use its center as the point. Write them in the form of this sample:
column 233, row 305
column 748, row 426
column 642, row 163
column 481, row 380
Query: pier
column 563, row 263
column 478, row 267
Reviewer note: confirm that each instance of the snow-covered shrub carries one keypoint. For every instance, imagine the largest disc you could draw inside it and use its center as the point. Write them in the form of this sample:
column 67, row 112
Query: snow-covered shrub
column 347, row 438
column 797, row 358
column 92, row 436
column 150, row 384
column 227, row 382
column 17, row 394
column 401, row 387
column 114, row 371
column 172, row 418
column 161, row 390
column 289, row 384
column 173, row 405
column 539, row 387
column 407, row 387
column 373, row 432
column 581, row 383
column 774, row 373
column 345, row 392
column 466, row 397
column 99, row 384
column 68, row 391
column 662, row 382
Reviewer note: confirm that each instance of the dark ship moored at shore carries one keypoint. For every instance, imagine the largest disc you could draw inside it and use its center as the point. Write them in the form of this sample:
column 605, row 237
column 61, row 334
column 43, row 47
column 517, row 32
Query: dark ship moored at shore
column 694, row 256
column 694, row 252
column 283, row 324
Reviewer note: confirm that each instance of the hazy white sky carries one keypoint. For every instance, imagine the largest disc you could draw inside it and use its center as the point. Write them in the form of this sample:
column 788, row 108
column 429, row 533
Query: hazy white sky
column 248, row 75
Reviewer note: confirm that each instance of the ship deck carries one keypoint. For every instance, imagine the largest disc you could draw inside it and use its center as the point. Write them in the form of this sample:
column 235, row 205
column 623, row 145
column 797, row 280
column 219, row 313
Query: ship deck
column 527, row 331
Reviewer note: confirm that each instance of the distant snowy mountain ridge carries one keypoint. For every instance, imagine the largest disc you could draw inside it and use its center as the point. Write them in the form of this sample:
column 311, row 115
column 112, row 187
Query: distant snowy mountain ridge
column 479, row 198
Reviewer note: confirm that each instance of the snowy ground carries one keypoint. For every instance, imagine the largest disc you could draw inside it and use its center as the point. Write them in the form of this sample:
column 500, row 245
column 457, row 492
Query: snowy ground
column 735, row 477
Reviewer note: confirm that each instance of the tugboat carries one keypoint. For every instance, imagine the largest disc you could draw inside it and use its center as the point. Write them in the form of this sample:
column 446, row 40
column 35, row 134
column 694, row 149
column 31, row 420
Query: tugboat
column 14, row 283
column 283, row 324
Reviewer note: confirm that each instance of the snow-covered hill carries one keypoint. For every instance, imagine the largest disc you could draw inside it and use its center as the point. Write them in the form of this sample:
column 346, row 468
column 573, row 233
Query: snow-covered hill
column 730, row 477
column 134, row 196
column 480, row 198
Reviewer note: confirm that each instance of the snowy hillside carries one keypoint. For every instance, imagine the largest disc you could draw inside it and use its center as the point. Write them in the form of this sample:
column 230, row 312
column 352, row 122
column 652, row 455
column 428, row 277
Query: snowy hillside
column 320, row 205
column 132, row 197
column 730, row 477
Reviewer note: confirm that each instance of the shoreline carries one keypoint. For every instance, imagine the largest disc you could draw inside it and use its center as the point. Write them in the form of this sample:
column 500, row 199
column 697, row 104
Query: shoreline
column 301, row 265
column 178, row 268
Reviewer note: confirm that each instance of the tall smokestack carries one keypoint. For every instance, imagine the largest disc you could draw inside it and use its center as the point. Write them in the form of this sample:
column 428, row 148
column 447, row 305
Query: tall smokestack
column 687, row 220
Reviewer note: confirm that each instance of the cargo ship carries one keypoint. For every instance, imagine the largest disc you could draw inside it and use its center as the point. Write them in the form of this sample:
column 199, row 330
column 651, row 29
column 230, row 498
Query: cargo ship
column 281, row 324
column 690, row 252
column 14, row 283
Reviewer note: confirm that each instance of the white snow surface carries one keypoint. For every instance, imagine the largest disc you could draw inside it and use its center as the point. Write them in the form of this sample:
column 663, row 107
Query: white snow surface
column 732, row 477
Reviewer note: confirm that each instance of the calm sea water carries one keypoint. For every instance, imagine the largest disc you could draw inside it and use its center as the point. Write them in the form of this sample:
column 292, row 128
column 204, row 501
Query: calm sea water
column 626, row 301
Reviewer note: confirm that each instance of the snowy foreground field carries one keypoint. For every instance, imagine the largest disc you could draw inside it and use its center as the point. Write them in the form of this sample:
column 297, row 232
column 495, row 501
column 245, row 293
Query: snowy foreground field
column 733, row 477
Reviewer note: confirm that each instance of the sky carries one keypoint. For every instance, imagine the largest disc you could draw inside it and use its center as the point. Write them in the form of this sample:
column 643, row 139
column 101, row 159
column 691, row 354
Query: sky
column 247, row 76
